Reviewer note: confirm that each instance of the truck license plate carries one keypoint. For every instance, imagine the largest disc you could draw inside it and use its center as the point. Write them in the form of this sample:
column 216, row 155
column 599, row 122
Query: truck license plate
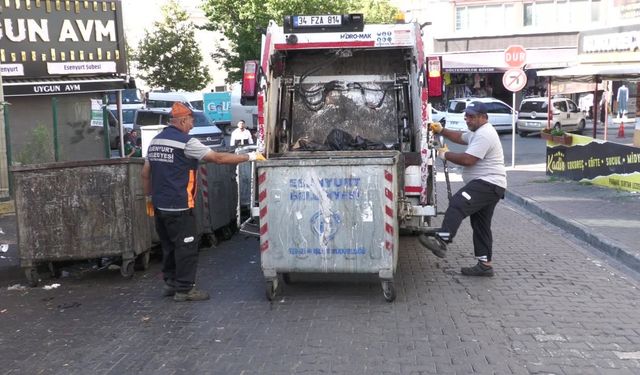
column 326, row 20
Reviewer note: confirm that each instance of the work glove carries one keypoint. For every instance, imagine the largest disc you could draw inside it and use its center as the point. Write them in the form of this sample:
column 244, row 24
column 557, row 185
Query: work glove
column 436, row 127
column 253, row 156
column 149, row 205
column 442, row 152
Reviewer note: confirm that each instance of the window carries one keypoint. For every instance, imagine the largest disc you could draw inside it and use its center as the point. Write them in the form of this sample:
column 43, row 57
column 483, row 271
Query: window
column 560, row 106
column 560, row 13
column 533, row 106
column 572, row 106
column 482, row 18
column 497, row 108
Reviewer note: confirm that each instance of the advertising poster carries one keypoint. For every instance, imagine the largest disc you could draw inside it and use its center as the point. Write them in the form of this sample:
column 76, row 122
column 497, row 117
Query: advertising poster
column 96, row 113
column 217, row 106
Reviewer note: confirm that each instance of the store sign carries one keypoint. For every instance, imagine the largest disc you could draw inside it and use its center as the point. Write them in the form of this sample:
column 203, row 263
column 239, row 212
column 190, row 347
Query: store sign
column 602, row 163
column 60, row 87
column 614, row 44
column 38, row 39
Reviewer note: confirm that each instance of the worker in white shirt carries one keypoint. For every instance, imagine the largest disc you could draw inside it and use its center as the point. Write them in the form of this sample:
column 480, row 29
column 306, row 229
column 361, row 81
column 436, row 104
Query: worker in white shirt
column 241, row 136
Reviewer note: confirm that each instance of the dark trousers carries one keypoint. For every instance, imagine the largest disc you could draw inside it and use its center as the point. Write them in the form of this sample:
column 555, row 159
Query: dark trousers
column 177, row 232
column 477, row 199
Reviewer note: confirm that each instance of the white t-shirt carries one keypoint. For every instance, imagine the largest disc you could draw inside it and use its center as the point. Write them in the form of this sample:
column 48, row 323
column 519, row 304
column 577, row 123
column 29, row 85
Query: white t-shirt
column 485, row 144
column 241, row 137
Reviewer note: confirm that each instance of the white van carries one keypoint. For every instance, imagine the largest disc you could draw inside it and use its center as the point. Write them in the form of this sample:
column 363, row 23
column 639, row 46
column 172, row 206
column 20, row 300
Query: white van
column 239, row 111
column 166, row 99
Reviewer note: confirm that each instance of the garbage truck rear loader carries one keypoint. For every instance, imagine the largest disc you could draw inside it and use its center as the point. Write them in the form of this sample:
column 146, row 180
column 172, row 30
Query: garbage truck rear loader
column 343, row 121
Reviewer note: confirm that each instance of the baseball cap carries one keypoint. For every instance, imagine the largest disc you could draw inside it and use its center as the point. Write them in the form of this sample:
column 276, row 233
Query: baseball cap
column 180, row 110
column 475, row 108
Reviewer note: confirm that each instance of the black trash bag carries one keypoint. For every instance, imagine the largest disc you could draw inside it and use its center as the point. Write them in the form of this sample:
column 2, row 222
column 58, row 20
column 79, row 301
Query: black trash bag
column 304, row 144
column 339, row 140
column 364, row 144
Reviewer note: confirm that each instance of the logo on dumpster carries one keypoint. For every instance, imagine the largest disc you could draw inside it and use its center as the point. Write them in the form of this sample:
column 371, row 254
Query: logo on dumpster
column 326, row 226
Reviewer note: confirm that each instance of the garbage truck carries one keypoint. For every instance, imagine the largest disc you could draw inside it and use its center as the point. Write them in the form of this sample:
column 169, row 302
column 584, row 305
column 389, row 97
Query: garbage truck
column 343, row 120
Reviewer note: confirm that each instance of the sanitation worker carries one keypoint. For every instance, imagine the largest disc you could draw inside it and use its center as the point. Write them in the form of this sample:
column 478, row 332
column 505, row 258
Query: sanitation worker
column 169, row 183
column 485, row 179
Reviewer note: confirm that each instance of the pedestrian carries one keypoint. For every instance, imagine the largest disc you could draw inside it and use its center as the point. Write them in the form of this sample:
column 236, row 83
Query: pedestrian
column 485, row 181
column 133, row 145
column 169, row 183
column 241, row 136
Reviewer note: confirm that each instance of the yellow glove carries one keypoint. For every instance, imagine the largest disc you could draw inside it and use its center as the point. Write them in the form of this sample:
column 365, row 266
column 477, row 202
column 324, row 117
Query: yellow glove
column 436, row 127
column 442, row 151
column 149, row 205
column 256, row 156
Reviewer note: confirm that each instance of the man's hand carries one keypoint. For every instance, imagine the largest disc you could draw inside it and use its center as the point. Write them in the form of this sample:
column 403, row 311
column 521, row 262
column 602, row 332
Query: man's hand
column 149, row 205
column 442, row 151
column 256, row 156
column 436, row 127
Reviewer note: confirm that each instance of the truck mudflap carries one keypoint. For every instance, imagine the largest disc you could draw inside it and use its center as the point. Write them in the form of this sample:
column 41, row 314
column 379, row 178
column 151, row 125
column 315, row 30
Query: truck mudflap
column 329, row 212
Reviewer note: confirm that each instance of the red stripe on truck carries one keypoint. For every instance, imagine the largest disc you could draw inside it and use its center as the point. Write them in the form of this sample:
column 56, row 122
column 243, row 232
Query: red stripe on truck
column 285, row 46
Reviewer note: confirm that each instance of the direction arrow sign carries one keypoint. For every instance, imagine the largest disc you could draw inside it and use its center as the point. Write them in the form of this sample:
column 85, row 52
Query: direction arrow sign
column 514, row 79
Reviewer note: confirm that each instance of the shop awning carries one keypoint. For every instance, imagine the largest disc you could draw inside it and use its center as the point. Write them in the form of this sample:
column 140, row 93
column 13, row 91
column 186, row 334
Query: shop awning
column 493, row 61
column 591, row 72
column 61, row 86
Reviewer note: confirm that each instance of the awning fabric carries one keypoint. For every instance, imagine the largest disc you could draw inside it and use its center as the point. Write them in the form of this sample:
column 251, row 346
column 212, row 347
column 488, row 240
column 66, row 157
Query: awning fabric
column 493, row 61
column 591, row 72
column 61, row 86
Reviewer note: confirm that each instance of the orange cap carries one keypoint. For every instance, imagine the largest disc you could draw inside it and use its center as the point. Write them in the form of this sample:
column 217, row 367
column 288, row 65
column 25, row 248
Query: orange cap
column 180, row 110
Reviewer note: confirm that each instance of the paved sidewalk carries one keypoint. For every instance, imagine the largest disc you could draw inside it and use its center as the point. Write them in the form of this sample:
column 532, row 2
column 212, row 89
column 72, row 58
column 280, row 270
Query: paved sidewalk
column 607, row 219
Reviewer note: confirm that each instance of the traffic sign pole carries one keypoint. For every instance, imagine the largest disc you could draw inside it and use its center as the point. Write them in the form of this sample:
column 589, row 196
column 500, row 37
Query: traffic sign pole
column 514, row 80
column 513, row 131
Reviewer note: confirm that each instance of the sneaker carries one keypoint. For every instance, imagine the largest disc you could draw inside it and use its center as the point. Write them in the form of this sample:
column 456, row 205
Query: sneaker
column 435, row 244
column 192, row 295
column 479, row 269
column 168, row 290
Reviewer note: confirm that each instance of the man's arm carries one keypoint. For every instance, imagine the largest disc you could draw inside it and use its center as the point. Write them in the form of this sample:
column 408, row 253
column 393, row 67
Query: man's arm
column 461, row 158
column 146, row 178
column 225, row 157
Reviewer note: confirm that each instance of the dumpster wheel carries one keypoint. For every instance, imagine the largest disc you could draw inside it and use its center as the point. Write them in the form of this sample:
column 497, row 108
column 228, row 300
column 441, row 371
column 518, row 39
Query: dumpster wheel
column 388, row 290
column 271, row 289
column 142, row 261
column 127, row 268
column 32, row 276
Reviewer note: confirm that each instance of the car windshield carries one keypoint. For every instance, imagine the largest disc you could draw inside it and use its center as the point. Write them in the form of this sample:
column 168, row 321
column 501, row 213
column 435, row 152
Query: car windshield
column 457, row 107
column 127, row 115
column 199, row 119
column 197, row 104
column 533, row 106
column 129, row 96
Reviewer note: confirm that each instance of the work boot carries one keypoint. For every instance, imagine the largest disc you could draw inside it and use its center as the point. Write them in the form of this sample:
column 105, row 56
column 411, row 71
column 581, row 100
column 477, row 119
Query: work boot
column 437, row 246
column 192, row 295
column 479, row 269
column 168, row 290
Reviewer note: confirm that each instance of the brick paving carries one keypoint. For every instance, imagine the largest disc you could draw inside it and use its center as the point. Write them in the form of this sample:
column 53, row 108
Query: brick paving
column 554, row 307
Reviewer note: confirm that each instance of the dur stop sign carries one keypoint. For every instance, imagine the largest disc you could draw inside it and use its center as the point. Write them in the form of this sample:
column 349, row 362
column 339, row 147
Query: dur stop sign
column 515, row 56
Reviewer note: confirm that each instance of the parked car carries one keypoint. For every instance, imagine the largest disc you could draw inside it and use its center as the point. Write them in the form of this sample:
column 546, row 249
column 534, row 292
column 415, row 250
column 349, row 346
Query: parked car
column 500, row 113
column 203, row 128
column 438, row 116
column 533, row 115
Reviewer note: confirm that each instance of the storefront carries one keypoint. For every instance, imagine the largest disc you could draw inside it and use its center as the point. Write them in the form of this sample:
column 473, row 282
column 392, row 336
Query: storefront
column 608, row 58
column 58, row 60
column 479, row 73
